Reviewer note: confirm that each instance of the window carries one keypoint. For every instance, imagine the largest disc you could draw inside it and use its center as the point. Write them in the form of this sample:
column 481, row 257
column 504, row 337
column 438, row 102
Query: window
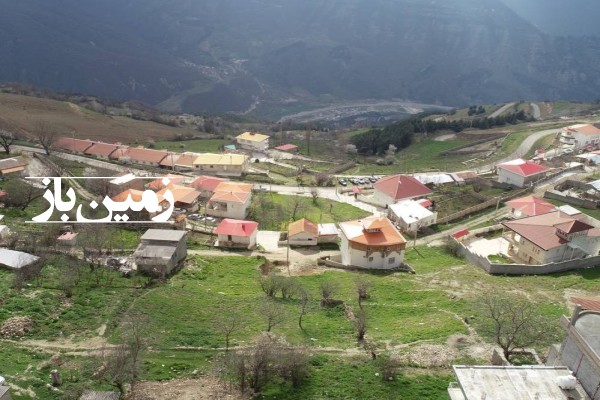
column 391, row 260
column 370, row 259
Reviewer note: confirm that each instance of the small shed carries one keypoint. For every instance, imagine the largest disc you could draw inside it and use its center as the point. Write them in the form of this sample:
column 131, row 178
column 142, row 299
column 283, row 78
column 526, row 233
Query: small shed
column 4, row 230
column 303, row 233
column 289, row 148
column 328, row 233
column 67, row 239
column 19, row 262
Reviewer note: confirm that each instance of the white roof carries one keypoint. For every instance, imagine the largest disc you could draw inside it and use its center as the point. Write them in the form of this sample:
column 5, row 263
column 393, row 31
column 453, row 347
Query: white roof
column 595, row 184
column 567, row 209
column 123, row 179
column 410, row 211
column 16, row 259
column 436, row 179
column 327, row 229
column 1, row 217
column 163, row 235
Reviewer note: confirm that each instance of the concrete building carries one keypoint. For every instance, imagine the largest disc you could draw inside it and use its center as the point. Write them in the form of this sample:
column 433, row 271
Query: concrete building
column 124, row 182
column 391, row 189
column 180, row 162
column 580, row 349
column 12, row 165
column 221, row 164
column 303, row 233
column 160, row 251
column 237, row 234
column 529, row 206
column 253, row 141
column 230, row 200
column 328, row 233
column 372, row 242
column 520, row 173
column 551, row 237
column 410, row 216
column 4, row 393
column 514, row 383
column 185, row 197
column 580, row 135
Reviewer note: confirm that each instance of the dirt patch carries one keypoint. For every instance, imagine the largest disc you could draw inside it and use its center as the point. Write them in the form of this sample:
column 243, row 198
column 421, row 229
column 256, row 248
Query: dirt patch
column 19, row 391
column 16, row 327
column 206, row 388
column 443, row 138
column 429, row 355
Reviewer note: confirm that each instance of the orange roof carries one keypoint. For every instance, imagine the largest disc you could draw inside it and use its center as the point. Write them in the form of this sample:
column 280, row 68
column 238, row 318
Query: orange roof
column 158, row 184
column 68, row 236
column 136, row 195
column 145, row 155
column 400, row 187
column 586, row 129
column 531, row 205
column 303, row 225
column 73, row 145
column 587, row 303
column 230, row 197
column 120, row 153
column 101, row 149
column 208, row 183
column 228, row 186
column 181, row 194
column 372, row 231
column 179, row 160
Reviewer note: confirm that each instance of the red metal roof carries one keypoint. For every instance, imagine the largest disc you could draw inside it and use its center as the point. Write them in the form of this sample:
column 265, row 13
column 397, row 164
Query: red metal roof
column 68, row 236
column 461, row 233
column 401, row 187
column 523, row 168
column 531, row 205
column 286, row 147
column 208, row 183
column 73, row 145
column 425, row 203
column 2, row 194
column 101, row 149
column 587, row 303
column 236, row 227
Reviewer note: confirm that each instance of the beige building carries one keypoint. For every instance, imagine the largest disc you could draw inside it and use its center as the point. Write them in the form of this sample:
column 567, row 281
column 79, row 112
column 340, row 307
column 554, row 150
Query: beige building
column 303, row 233
column 221, row 164
column 230, row 200
column 580, row 135
column 253, row 141
column 160, row 251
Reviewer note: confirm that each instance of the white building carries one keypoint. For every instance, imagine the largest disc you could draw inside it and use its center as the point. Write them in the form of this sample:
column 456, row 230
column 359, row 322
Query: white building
column 303, row 233
column 237, row 234
column 372, row 242
column 391, row 189
column 410, row 216
column 580, row 135
column 520, row 173
column 230, row 200
column 253, row 141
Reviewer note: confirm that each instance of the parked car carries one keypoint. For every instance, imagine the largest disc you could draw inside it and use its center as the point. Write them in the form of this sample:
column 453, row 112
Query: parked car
column 194, row 217
column 342, row 182
column 210, row 220
column 567, row 151
column 373, row 179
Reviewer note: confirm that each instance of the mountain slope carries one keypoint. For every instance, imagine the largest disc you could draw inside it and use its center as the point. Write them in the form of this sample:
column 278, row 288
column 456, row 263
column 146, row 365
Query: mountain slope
column 235, row 55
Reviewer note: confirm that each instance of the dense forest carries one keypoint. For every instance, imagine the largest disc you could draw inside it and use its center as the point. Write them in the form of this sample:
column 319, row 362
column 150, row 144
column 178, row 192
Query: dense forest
column 401, row 134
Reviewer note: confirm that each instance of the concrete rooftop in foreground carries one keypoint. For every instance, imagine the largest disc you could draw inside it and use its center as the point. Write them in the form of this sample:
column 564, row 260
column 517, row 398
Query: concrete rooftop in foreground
column 515, row 383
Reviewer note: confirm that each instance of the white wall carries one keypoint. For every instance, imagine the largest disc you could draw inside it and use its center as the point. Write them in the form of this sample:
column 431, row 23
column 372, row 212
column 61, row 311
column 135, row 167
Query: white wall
column 303, row 239
column 505, row 176
column 239, row 241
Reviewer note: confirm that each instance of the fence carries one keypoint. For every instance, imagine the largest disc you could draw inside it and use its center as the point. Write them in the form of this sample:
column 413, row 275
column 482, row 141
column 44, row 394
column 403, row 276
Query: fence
column 576, row 201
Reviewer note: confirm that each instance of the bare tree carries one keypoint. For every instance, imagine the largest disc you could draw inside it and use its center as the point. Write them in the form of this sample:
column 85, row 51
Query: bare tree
column 288, row 286
column 269, row 284
column 314, row 192
column 227, row 322
column 45, row 135
column 513, row 323
column 362, row 289
column 273, row 313
column 7, row 135
column 304, row 299
column 360, row 324
column 328, row 289
column 20, row 193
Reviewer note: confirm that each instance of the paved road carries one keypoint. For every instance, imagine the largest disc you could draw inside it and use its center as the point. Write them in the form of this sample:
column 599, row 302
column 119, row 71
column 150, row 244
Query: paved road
column 501, row 110
column 537, row 114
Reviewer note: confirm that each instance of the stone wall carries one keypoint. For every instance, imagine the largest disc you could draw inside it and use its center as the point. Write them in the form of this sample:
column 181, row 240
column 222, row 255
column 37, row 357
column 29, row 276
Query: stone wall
column 576, row 201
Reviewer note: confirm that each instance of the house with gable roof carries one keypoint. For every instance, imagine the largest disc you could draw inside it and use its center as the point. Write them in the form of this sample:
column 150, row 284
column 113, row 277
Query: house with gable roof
column 391, row 189
column 206, row 185
column 236, row 233
column 552, row 237
column 230, row 200
column 529, row 206
column 303, row 233
column 372, row 242
column 580, row 135
column 72, row 145
column 520, row 173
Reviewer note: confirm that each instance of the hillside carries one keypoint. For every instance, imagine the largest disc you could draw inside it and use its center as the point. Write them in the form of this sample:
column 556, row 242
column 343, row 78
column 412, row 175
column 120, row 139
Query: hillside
column 273, row 57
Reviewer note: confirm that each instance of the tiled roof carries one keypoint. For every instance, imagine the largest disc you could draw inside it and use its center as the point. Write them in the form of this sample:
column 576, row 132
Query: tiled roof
column 586, row 129
column 401, row 187
column 229, row 186
column 208, row 183
column 181, row 194
column 236, row 227
column 587, row 303
column 531, row 205
column 541, row 230
column 523, row 168
column 220, row 159
column 303, row 225
column 13, row 162
column 101, row 149
column 158, row 184
column 72, row 145
column 230, row 197
column 253, row 137
column 180, row 160
column 145, row 155
column 372, row 231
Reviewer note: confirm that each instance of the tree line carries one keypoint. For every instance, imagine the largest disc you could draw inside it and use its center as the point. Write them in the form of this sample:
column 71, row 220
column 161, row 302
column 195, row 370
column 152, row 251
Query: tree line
column 402, row 134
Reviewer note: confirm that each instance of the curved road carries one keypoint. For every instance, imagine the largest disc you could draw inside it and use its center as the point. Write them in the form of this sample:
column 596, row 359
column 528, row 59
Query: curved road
column 501, row 110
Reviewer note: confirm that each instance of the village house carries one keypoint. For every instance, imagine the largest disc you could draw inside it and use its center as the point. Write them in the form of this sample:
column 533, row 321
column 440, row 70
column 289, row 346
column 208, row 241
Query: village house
column 230, row 200
column 180, row 162
column 206, row 185
column 372, row 242
column 19, row 262
column 143, row 156
column 72, row 145
column 160, row 251
column 328, row 233
column 185, row 197
column 161, row 183
column 124, row 182
column 303, row 233
column 551, row 237
column 253, row 141
column 101, row 150
column 237, row 234
column 391, row 189
column 529, row 206
column 520, row 173
column 410, row 216
column 12, row 165
column 580, row 135
column 67, row 239
column 221, row 164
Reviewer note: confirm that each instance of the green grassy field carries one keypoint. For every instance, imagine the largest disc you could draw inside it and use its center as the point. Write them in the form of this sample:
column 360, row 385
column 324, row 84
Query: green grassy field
column 196, row 145
column 273, row 211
